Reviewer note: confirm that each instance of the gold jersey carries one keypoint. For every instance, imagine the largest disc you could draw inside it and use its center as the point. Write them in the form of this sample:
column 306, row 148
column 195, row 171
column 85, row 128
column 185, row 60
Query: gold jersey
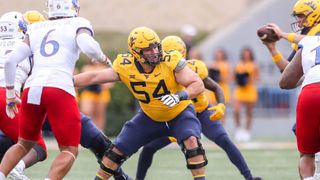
column 149, row 87
column 200, row 102
column 248, row 92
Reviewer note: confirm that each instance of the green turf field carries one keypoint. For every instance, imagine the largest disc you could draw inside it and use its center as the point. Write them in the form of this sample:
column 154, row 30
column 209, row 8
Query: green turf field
column 270, row 164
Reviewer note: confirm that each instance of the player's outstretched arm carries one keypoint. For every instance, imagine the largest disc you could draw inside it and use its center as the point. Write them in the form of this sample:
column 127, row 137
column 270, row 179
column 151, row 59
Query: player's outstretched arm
column 91, row 47
column 291, row 37
column 220, row 108
column 21, row 52
column 211, row 85
column 292, row 73
column 276, row 55
column 95, row 77
column 189, row 79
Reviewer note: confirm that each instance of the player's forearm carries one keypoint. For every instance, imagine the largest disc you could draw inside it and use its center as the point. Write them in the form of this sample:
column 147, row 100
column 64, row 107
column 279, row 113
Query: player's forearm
column 10, row 73
column 214, row 87
column 19, row 54
column 95, row 77
column 292, row 37
column 85, row 79
column 90, row 47
column 278, row 59
column 195, row 89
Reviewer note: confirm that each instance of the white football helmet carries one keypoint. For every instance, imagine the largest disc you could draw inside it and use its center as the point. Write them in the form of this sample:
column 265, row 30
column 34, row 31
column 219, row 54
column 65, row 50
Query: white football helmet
column 62, row 8
column 9, row 25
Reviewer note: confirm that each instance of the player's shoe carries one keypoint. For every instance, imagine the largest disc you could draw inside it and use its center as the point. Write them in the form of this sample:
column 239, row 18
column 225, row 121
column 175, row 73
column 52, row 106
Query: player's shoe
column 242, row 135
column 16, row 175
column 257, row 178
column 122, row 176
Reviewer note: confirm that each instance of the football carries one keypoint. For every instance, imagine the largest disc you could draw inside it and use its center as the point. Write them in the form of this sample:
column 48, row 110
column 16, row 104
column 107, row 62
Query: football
column 267, row 35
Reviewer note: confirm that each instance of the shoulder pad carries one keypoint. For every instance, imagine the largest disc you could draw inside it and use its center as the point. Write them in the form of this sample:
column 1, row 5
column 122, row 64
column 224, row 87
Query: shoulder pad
column 122, row 60
column 174, row 60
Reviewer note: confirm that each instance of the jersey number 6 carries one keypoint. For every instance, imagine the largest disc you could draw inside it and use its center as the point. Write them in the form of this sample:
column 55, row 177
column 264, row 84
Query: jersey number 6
column 44, row 43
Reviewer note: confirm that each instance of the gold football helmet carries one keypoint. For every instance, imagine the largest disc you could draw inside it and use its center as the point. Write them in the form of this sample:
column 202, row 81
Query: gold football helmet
column 31, row 17
column 174, row 43
column 309, row 10
column 143, row 38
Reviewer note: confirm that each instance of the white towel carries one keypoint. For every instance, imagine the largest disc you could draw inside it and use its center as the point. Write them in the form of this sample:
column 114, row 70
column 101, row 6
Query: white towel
column 34, row 95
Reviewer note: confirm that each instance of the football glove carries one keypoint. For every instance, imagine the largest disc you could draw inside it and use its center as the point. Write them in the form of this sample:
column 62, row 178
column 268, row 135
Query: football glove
column 218, row 111
column 170, row 99
column 12, row 101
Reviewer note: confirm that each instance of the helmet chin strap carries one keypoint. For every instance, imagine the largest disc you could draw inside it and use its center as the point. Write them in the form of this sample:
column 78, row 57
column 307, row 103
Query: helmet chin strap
column 150, row 62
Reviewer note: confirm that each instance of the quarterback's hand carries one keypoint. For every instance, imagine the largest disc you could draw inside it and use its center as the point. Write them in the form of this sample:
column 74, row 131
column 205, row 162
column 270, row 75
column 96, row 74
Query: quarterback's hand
column 170, row 99
column 219, row 111
column 12, row 101
column 276, row 29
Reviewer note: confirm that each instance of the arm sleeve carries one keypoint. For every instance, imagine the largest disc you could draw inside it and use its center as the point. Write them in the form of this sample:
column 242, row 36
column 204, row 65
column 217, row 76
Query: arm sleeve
column 292, row 55
column 90, row 47
column 21, row 52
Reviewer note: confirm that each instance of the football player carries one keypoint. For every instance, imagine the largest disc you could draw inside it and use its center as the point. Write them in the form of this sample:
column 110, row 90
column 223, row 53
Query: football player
column 307, row 13
column 10, row 36
column 305, row 63
column 91, row 137
column 49, row 88
column 208, row 115
column 164, row 85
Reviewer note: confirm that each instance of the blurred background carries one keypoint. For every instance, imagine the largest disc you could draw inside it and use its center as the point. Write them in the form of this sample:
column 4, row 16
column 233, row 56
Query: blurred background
column 206, row 26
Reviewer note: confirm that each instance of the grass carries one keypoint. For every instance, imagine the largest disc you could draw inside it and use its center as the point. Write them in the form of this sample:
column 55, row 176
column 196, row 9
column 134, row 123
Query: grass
column 169, row 164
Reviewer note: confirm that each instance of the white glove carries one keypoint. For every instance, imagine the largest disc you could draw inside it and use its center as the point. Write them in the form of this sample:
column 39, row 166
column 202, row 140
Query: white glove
column 170, row 99
column 12, row 101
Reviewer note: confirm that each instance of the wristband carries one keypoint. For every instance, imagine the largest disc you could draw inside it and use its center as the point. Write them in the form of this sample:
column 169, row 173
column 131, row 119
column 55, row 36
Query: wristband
column 10, row 93
column 183, row 95
column 291, row 37
column 276, row 58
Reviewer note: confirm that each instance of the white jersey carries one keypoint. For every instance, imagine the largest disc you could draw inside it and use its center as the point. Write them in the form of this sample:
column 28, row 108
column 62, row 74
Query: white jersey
column 55, row 52
column 310, row 59
column 23, row 69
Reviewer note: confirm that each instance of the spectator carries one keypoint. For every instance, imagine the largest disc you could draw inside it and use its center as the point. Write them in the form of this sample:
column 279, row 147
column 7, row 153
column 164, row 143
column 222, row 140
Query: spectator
column 94, row 99
column 194, row 54
column 245, row 93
